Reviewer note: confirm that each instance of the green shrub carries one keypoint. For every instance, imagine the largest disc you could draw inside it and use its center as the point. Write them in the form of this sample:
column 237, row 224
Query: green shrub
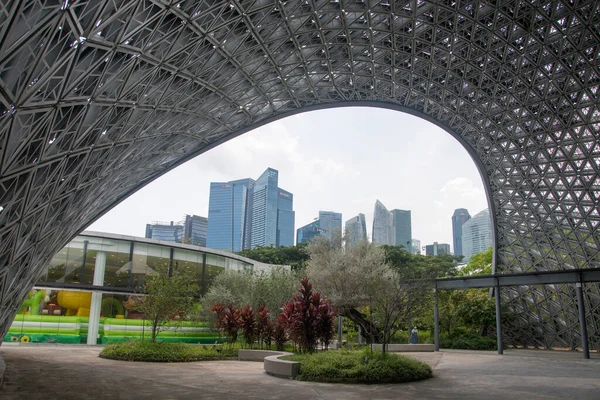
column 361, row 366
column 468, row 342
column 165, row 352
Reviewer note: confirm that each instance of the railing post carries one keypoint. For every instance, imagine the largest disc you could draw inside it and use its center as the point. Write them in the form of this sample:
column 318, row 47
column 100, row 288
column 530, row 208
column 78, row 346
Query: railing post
column 498, row 317
column 436, row 321
column 582, row 322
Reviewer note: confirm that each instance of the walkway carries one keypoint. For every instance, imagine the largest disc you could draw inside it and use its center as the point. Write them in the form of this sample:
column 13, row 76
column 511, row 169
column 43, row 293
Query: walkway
column 70, row 372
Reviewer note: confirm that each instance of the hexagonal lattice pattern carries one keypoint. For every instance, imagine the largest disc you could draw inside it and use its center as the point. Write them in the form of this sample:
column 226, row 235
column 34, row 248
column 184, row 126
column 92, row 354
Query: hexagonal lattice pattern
column 99, row 97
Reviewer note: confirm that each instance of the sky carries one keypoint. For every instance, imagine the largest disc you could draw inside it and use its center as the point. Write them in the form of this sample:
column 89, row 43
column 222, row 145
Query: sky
column 339, row 160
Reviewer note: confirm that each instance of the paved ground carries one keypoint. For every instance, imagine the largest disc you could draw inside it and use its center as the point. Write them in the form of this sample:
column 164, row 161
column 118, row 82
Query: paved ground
column 69, row 372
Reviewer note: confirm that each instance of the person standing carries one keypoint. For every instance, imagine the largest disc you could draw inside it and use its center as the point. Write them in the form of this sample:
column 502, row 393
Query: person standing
column 414, row 336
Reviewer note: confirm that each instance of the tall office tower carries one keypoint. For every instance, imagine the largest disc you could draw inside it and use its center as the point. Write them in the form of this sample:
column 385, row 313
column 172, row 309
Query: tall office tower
column 285, row 218
column 167, row 231
column 356, row 230
column 229, row 210
column 476, row 234
column 383, row 225
column 403, row 228
column 308, row 232
column 195, row 230
column 460, row 216
column 329, row 223
column 437, row 248
column 416, row 246
column 272, row 212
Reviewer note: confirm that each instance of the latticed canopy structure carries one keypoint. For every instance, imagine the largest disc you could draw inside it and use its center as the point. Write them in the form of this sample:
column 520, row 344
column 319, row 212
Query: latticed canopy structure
column 99, row 97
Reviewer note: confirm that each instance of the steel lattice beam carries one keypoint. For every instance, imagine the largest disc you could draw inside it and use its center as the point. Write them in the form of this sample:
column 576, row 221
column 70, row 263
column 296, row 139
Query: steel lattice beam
column 100, row 97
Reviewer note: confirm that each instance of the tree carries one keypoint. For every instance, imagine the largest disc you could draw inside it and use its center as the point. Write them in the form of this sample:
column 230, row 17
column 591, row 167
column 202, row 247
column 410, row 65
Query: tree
column 167, row 297
column 294, row 256
column 243, row 288
column 348, row 277
column 307, row 318
column 479, row 264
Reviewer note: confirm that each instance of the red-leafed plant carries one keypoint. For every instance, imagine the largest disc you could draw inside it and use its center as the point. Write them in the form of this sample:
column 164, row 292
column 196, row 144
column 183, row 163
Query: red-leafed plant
column 248, row 324
column 326, row 323
column 279, row 335
column 264, row 326
column 230, row 322
column 302, row 318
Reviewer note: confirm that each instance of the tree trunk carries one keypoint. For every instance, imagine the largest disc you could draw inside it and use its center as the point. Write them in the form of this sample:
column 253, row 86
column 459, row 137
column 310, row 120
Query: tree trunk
column 370, row 331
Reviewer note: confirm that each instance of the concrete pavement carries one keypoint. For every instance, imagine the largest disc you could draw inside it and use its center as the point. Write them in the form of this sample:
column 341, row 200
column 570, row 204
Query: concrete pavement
column 76, row 372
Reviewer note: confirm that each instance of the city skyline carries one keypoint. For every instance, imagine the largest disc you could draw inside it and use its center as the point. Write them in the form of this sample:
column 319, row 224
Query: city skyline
column 339, row 171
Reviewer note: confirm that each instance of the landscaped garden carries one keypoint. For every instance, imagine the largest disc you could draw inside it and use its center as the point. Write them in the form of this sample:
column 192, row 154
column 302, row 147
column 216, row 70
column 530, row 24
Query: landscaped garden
column 379, row 290
column 359, row 366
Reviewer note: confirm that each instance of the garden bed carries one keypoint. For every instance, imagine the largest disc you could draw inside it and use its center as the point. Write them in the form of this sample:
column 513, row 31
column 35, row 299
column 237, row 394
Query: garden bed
column 166, row 352
column 359, row 367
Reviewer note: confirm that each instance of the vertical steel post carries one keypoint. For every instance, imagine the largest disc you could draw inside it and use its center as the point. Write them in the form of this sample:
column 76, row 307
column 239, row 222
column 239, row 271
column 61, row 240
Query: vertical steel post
column 436, row 321
column 340, row 320
column 498, row 317
column 582, row 323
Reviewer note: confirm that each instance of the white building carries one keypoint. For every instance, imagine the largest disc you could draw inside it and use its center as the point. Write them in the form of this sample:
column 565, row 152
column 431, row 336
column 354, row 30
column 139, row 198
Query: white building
column 476, row 234
column 383, row 225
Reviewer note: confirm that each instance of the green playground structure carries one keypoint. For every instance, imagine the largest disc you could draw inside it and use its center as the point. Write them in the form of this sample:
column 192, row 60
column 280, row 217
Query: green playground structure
column 73, row 329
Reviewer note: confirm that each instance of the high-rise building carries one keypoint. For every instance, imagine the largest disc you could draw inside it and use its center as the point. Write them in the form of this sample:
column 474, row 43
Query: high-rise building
column 167, row 231
column 326, row 225
column 229, row 210
column 437, row 248
column 416, row 246
column 308, row 232
column 403, row 228
column 245, row 213
column 356, row 230
column 195, row 230
column 329, row 223
column 460, row 216
column 383, row 225
column 476, row 234
column 285, row 218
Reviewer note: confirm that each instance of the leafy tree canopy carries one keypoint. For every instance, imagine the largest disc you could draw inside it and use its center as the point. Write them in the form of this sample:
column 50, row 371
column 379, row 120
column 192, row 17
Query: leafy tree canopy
column 294, row 256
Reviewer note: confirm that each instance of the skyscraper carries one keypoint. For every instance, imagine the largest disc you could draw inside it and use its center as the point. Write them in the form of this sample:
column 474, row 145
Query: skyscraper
column 246, row 213
column 383, row 225
column 460, row 216
column 403, row 228
column 285, row 218
column 476, row 234
column 326, row 225
column 356, row 230
column 437, row 248
column 307, row 232
column 167, row 231
column 228, row 208
column 416, row 246
column 329, row 223
column 195, row 230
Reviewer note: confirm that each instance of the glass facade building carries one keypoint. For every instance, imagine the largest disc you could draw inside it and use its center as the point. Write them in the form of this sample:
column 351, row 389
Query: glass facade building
column 245, row 213
column 460, row 216
column 195, row 230
column 355, row 230
column 308, row 232
column 416, row 246
column 64, row 307
column 403, row 228
column 229, row 210
column 166, row 231
column 437, row 248
column 383, row 225
column 476, row 234
column 330, row 222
